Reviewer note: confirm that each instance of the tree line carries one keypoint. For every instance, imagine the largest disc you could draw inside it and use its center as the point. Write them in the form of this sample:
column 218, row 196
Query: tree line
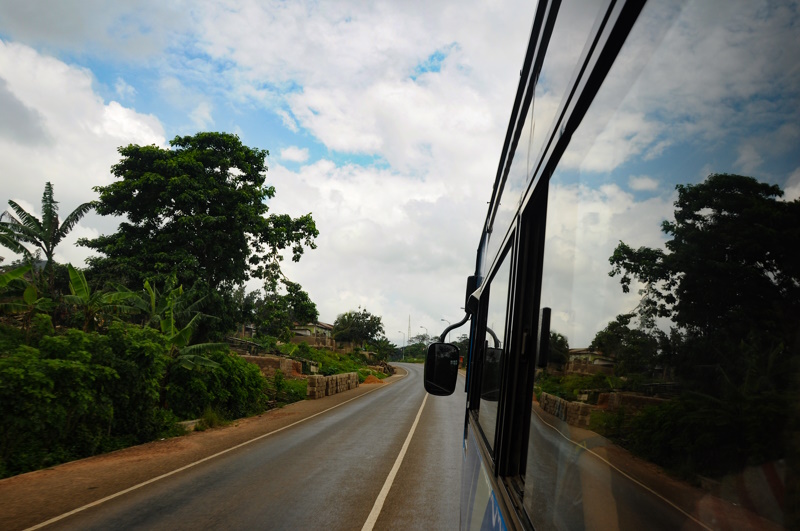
column 727, row 283
column 113, row 354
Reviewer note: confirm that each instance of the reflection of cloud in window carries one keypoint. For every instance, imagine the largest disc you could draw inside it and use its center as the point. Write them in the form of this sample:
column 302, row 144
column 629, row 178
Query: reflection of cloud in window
column 584, row 226
column 792, row 190
column 642, row 183
column 718, row 83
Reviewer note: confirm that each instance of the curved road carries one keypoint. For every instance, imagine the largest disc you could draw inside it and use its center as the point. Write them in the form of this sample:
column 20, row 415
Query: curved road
column 326, row 473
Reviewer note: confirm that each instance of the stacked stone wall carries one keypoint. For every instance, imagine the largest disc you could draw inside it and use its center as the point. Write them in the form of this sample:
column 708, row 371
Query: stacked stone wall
column 321, row 386
column 270, row 364
column 632, row 402
column 573, row 413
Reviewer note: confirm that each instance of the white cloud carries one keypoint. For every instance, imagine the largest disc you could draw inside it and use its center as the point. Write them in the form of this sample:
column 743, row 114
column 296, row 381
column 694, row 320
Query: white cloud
column 388, row 242
column 82, row 133
column 123, row 90
column 133, row 29
column 792, row 188
column 642, row 183
column 201, row 115
column 294, row 154
column 749, row 160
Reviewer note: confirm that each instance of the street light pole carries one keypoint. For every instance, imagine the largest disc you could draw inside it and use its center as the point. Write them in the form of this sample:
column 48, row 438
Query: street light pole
column 448, row 332
column 404, row 345
column 427, row 335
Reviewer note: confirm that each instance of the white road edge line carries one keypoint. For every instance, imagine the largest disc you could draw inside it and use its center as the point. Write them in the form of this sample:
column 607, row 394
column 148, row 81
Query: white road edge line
column 387, row 485
column 190, row 465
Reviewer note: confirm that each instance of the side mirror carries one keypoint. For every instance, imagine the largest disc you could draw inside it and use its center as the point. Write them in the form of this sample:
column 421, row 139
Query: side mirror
column 441, row 369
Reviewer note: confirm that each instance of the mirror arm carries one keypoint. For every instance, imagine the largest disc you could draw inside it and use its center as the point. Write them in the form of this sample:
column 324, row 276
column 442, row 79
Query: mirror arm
column 494, row 336
column 453, row 326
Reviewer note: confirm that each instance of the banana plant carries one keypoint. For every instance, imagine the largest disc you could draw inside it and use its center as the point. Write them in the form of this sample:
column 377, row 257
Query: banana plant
column 44, row 234
column 164, row 311
column 15, row 274
column 95, row 305
column 30, row 304
column 187, row 356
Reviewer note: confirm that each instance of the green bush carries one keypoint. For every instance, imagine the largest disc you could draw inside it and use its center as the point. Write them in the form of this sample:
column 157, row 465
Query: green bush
column 79, row 394
column 701, row 434
column 53, row 409
column 235, row 389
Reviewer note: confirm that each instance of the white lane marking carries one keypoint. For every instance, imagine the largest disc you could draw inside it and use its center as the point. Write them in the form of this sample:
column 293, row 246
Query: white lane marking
column 387, row 485
column 190, row 465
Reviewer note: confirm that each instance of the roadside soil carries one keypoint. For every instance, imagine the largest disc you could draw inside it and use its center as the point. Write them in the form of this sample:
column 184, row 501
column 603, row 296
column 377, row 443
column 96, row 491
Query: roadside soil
column 29, row 499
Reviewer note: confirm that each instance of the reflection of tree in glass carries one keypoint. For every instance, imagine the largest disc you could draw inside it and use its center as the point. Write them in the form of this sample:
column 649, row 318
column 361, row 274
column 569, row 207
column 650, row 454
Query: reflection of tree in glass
column 730, row 281
column 559, row 348
column 634, row 350
column 730, row 276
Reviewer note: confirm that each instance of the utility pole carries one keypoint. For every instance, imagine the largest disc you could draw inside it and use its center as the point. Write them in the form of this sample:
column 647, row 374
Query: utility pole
column 409, row 327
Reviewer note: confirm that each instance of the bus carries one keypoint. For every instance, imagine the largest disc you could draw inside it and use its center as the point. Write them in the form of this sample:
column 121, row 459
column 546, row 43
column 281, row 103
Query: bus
column 634, row 312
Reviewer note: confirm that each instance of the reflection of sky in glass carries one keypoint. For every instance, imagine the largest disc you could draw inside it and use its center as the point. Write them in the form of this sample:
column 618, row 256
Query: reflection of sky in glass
column 699, row 88
column 498, row 297
column 496, row 322
column 573, row 24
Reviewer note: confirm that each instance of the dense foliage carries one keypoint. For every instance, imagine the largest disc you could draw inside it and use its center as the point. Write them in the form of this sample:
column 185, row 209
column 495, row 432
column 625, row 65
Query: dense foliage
column 729, row 280
column 358, row 327
column 75, row 394
column 198, row 210
column 277, row 311
column 99, row 359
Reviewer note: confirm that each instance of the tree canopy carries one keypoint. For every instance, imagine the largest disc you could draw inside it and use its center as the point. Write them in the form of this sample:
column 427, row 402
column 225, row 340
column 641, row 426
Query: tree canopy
column 277, row 311
column 198, row 210
column 357, row 326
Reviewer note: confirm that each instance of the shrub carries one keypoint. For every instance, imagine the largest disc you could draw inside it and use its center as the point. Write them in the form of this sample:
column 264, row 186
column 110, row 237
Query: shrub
column 234, row 389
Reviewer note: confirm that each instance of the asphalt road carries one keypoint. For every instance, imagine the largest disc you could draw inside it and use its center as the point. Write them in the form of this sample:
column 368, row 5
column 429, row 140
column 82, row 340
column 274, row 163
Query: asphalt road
column 325, row 473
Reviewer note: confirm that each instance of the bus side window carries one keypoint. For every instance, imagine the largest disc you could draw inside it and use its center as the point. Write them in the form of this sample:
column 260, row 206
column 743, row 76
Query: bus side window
column 494, row 350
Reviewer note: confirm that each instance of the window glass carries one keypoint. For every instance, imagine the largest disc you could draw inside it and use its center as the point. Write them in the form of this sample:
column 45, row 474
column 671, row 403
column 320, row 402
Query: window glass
column 573, row 24
column 495, row 349
column 673, row 292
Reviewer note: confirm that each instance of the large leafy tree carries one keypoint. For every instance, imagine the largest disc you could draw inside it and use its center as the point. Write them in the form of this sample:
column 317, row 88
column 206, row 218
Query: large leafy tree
column 729, row 277
column 279, row 310
column 197, row 210
column 44, row 234
column 635, row 350
column 357, row 327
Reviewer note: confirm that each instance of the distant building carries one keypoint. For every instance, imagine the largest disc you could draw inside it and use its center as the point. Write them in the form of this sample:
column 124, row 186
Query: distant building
column 315, row 334
column 585, row 361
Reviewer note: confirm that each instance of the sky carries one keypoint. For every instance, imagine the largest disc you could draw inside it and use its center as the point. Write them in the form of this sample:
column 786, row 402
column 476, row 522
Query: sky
column 385, row 120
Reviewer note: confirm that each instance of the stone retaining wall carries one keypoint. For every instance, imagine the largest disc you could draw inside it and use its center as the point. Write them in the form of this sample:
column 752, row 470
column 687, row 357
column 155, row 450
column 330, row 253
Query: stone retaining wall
column 573, row 413
column 320, row 386
column 269, row 364
column 632, row 402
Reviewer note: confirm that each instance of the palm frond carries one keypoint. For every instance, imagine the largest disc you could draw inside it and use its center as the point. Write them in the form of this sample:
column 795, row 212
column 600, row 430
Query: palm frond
column 13, row 307
column 78, row 284
column 9, row 241
column 74, row 217
column 25, row 219
column 14, row 274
